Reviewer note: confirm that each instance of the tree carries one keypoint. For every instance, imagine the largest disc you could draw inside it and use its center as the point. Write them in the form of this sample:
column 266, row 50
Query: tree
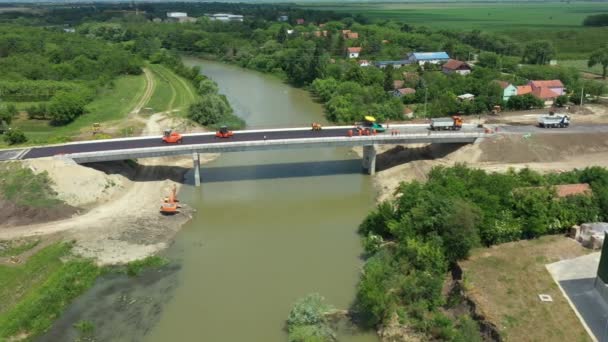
column 600, row 57
column 14, row 136
column 489, row 60
column 596, row 20
column 388, row 78
column 282, row 35
column 7, row 114
column 65, row 107
column 211, row 110
column 206, row 87
column 539, row 52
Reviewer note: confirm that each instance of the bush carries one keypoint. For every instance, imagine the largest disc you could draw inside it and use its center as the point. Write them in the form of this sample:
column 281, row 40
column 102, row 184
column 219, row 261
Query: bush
column 306, row 321
column 561, row 100
column 213, row 110
column 14, row 136
column 65, row 107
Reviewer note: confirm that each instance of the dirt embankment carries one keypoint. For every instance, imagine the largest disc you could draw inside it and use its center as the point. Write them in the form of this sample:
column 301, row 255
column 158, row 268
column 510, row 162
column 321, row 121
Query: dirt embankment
column 120, row 220
column 541, row 152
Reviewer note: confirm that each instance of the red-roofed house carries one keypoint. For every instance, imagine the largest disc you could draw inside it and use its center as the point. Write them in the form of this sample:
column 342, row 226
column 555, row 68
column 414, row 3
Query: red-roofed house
column 555, row 86
column 348, row 34
column 408, row 113
column 403, row 91
column 572, row 190
column 456, row 66
column 545, row 94
column 353, row 52
column 300, row 21
column 364, row 63
column 523, row 90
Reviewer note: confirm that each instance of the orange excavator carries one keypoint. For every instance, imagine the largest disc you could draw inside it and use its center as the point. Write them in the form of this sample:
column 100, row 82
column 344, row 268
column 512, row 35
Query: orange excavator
column 224, row 133
column 170, row 204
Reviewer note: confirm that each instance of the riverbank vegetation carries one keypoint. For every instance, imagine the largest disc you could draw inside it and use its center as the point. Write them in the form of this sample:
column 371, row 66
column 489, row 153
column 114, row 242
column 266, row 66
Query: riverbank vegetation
column 413, row 240
column 307, row 320
column 34, row 294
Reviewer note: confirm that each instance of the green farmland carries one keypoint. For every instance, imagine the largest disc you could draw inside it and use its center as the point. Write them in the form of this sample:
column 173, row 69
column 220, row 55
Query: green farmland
column 485, row 16
column 559, row 22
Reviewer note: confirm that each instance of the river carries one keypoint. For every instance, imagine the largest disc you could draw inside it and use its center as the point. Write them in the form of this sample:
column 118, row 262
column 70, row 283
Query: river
column 270, row 228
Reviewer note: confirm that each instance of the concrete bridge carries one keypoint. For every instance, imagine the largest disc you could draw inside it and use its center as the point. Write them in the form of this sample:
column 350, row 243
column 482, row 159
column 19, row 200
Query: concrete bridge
column 246, row 140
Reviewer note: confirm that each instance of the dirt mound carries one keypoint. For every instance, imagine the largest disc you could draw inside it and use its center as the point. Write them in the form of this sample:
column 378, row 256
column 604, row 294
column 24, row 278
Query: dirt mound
column 541, row 147
column 13, row 214
column 77, row 185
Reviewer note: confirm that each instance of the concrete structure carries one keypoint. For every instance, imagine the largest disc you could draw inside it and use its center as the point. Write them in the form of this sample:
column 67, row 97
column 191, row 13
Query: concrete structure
column 226, row 17
column 293, row 138
column 177, row 15
column 395, row 64
column 428, row 57
column 456, row 66
column 353, row 52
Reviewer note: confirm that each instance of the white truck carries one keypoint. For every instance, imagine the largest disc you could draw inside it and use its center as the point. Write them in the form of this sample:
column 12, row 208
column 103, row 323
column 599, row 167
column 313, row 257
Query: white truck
column 553, row 121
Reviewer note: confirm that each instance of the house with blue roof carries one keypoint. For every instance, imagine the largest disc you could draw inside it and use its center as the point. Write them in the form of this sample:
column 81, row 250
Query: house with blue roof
column 428, row 57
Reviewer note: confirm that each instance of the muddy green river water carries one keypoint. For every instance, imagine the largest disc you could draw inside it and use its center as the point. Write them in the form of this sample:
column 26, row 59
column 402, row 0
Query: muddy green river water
column 270, row 227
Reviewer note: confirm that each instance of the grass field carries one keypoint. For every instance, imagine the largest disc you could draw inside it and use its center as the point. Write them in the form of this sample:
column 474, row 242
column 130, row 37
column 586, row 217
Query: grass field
column 172, row 92
column 33, row 295
column 505, row 282
column 581, row 65
column 110, row 104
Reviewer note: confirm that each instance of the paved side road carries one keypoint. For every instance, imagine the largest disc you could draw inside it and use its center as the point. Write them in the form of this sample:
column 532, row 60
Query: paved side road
column 11, row 154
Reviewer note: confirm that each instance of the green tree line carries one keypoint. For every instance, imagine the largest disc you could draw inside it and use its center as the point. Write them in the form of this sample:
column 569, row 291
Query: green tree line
column 412, row 241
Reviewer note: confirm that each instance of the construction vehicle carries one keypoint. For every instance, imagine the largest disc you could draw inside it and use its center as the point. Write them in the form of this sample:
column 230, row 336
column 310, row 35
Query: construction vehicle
column 370, row 122
column 170, row 204
column 362, row 131
column 553, row 121
column 172, row 137
column 446, row 124
column 223, row 132
column 496, row 110
column 316, row 126
column 96, row 128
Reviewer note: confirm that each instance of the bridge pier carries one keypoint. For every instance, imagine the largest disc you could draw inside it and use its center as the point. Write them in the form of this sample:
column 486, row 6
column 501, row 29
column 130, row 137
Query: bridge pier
column 369, row 159
column 196, row 160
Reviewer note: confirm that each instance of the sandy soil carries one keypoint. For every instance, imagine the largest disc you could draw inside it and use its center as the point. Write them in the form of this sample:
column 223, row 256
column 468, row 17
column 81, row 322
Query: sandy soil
column 124, row 223
column 544, row 153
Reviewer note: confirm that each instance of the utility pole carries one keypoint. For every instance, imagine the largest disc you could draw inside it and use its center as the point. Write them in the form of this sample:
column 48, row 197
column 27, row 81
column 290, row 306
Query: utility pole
column 426, row 92
column 582, row 92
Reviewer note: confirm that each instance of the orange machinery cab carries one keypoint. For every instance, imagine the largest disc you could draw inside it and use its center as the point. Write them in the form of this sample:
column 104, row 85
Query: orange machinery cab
column 171, row 137
column 457, row 121
column 169, row 205
column 168, row 208
column 224, row 133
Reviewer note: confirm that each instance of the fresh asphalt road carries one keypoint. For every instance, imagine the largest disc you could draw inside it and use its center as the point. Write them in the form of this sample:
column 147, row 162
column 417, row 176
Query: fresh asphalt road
column 113, row 145
column 122, row 144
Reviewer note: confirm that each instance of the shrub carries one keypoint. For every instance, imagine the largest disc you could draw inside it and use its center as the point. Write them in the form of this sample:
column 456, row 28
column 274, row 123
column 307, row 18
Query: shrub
column 14, row 136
